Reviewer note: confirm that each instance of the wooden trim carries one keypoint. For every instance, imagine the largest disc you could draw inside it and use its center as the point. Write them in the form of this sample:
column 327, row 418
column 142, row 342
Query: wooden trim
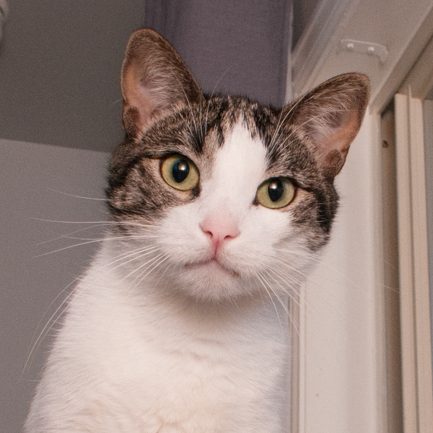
column 389, row 307
column 413, row 264
column 407, row 307
column 420, row 255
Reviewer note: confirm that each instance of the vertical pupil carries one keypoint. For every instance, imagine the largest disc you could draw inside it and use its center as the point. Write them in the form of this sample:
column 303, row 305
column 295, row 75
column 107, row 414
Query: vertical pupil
column 275, row 189
column 180, row 170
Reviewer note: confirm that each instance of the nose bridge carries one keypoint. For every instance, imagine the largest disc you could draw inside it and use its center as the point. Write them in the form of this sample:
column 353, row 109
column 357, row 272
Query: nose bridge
column 225, row 204
column 228, row 194
column 238, row 168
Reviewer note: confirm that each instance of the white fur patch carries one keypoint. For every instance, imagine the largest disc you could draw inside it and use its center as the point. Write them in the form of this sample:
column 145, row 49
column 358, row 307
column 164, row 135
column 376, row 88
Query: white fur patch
column 239, row 169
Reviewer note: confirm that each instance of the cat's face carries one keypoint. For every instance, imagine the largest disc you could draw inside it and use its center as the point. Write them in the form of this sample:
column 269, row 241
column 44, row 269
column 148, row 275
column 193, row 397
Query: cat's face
column 222, row 196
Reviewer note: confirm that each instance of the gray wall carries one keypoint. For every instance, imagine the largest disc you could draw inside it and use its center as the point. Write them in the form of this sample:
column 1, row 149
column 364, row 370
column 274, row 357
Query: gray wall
column 236, row 47
column 60, row 65
column 59, row 70
column 302, row 13
column 59, row 85
column 31, row 285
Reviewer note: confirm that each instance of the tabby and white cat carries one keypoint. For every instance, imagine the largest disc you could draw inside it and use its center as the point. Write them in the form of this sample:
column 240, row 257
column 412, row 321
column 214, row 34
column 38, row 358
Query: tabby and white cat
column 218, row 206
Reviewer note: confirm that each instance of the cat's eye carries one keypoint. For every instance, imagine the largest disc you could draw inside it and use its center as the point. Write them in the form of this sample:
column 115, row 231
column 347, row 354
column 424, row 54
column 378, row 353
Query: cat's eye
column 180, row 172
column 276, row 192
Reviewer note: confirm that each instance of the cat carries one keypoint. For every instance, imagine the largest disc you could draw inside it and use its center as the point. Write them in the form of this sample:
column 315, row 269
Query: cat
column 219, row 207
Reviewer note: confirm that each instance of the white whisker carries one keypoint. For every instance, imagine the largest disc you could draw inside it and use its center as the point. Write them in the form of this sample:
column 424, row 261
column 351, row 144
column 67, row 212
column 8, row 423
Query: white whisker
column 266, row 286
column 93, row 241
column 161, row 258
column 76, row 196
column 50, row 322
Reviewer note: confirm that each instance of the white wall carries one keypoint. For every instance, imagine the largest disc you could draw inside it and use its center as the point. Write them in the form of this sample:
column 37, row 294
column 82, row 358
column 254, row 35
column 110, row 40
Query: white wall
column 343, row 376
column 341, row 300
column 30, row 175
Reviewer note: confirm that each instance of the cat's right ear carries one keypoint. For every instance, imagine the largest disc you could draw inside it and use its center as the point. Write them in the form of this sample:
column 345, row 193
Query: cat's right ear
column 154, row 80
column 329, row 117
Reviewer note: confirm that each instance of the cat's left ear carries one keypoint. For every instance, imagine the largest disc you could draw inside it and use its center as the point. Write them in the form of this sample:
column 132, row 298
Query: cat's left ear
column 154, row 80
column 329, row 117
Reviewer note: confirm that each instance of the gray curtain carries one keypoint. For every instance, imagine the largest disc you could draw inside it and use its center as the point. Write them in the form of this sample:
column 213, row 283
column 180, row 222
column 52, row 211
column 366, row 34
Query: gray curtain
column 231, row 46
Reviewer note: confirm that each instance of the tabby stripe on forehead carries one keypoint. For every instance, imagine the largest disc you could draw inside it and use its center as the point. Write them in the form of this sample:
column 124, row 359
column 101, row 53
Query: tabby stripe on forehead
column 217, row 114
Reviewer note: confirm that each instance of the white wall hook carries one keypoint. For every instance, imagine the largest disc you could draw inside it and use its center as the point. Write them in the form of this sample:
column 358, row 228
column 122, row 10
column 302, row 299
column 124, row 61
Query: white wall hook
column 369, row 48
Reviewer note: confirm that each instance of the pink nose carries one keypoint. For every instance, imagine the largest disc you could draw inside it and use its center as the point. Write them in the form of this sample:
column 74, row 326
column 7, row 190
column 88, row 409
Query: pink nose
column 220, row 230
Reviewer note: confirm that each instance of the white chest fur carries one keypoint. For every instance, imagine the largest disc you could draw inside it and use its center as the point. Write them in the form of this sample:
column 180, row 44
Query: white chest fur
column 156, row 362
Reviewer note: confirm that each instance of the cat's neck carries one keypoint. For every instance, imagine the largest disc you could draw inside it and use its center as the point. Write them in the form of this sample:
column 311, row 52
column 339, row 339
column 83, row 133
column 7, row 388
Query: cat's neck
column 154, row 300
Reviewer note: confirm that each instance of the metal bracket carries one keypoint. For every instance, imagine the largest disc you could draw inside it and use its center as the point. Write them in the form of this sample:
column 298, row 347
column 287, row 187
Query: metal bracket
column 368, row 48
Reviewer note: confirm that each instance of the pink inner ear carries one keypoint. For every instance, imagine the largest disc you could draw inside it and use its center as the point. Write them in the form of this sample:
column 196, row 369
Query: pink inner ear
column 333, row 142
column 330, row 116
column 137, row 97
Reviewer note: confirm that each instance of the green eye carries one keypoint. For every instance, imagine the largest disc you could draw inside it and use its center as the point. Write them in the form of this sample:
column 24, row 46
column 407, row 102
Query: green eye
column 180, row 172
column 275, row 192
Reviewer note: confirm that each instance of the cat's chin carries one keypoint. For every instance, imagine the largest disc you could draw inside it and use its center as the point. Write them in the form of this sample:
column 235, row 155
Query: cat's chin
column 211, row 280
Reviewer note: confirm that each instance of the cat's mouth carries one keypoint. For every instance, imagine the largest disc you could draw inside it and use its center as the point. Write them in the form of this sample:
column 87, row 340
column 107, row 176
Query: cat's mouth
column 212, row 265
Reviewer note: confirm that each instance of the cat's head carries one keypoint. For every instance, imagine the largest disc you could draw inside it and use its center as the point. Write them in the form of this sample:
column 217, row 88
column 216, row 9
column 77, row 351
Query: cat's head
column 218, row 194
